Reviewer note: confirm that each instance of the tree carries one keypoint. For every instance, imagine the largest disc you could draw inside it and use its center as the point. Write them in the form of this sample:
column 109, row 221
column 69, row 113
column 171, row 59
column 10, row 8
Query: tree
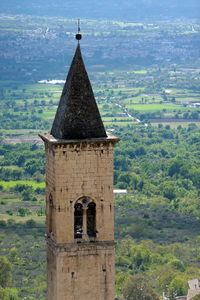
column 173, row 100
column 140, row 151
column 21, row 160
column 9, row 294
column 138, row 288
column 194, row 115
column 26, row 195
column 126, row 244
column 177, row 264
column 175, row 167
column 119, row 282
column 178, row 287
column 135, row 180
column 169, row 191
column 121, row 163
column 165, row 275
column 5, row 274
column 194, row 175
column 2, row 293
column 23, row 211
column 125, row 177
column 13, row 253
column 30, row 223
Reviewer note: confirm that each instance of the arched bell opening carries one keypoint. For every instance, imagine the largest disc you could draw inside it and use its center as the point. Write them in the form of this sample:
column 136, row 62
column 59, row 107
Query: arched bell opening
column 78, row 220
column 91, row 220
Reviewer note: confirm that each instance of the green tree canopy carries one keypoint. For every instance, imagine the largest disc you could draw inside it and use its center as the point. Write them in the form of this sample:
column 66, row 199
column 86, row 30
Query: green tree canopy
column 178, row 287
column 138, row 287
column 5, row 274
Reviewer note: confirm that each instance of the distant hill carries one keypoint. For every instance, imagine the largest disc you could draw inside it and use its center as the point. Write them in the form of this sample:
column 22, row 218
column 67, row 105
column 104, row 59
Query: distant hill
column 130, row 10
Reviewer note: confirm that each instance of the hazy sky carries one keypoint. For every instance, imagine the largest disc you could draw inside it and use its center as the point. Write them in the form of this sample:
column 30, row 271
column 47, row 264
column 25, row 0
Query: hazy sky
column 110, row 9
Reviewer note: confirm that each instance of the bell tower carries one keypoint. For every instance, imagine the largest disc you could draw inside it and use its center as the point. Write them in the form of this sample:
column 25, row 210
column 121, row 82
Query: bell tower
column 79, row 195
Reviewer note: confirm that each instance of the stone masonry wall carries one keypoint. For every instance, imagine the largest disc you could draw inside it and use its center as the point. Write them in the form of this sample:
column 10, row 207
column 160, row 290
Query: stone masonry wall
column 79, row 268
column 74, row 171
column 84, row 272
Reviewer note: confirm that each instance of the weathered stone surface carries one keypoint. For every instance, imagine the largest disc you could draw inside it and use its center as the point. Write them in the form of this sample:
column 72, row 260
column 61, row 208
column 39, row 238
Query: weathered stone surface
column 75, row 170
column 83, row 271
column 77, row 116
column 79, row 268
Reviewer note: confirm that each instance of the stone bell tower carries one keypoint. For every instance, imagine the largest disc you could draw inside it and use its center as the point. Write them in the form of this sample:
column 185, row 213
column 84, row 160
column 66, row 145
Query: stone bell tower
column 79, row 195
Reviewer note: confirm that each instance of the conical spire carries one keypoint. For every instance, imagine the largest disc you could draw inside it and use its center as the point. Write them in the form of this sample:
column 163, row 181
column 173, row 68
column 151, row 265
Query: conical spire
column 77, row 116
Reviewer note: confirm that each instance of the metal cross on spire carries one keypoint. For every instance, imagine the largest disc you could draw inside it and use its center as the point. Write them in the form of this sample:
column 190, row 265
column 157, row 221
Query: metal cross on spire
column 78, row 35
column 79, row 25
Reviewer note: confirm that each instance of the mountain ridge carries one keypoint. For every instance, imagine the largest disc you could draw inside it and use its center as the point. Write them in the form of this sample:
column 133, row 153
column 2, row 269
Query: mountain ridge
column 126, row 10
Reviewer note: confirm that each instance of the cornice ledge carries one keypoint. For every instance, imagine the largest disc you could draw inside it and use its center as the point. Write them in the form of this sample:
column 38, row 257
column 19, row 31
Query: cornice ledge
column 48, row 138
column 79, row 243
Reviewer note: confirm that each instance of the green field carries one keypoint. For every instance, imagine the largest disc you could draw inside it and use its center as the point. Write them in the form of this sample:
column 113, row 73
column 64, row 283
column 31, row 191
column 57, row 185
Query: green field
column 18, row 219
column 7, row 185
column 157, row 107
column 175, row 124
column 30, row 108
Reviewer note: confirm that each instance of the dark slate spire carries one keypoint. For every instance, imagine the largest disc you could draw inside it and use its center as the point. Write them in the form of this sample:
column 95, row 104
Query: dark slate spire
column 77, row 116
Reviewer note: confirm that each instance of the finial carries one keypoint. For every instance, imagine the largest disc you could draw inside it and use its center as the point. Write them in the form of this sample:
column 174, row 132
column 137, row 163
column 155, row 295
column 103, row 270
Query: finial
column 78, row 35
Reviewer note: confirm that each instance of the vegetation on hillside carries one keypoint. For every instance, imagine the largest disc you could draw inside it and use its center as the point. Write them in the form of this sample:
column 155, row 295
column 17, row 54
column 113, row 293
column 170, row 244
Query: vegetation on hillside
column 156, row 224
column 148, row 95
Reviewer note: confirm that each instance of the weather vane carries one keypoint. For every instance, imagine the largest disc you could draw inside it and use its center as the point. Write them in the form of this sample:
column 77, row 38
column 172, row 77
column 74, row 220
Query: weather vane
column 78, row 35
